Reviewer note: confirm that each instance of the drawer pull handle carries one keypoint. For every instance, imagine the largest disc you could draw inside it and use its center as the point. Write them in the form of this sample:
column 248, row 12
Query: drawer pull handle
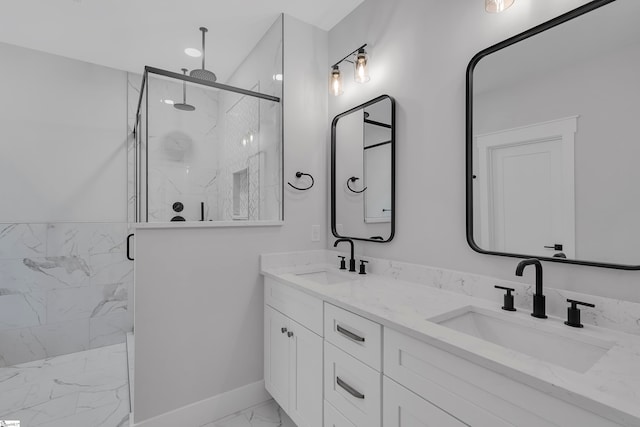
column 283, row 330
column 352, row 391
column 349, row 334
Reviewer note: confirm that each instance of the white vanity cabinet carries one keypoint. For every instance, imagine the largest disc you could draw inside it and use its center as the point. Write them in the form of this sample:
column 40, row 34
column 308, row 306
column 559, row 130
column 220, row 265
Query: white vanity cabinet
column 329, row 367
column 293, row 353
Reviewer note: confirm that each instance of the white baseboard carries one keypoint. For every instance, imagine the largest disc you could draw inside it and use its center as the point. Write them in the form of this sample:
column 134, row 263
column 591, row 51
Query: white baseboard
column 210, row 409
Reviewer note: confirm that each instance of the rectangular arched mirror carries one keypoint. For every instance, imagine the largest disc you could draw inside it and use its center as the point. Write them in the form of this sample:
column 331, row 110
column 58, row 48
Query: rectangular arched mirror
column 552, row 140
column 363, row 170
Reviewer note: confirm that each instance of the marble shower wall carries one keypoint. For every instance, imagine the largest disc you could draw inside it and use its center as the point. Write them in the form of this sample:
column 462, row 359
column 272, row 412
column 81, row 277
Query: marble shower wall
column 64, row 287
column 241, row 152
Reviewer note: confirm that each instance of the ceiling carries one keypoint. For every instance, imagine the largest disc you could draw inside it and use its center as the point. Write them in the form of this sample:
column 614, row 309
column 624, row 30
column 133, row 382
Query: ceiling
column 129, row 34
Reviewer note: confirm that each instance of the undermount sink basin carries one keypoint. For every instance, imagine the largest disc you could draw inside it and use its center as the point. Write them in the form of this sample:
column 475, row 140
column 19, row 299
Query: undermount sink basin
column 323, row 277
column 531, row 337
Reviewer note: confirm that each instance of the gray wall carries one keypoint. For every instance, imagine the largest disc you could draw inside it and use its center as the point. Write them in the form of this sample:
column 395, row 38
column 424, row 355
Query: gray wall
column 63, row 133
column 419, row 53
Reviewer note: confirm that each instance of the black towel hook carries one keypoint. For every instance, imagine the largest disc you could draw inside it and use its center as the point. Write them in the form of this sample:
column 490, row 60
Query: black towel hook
column 299, row 175
column 354, row 179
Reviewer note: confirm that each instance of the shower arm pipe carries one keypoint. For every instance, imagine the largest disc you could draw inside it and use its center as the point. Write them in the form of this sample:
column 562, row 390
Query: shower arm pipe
column 184, row 87
column 204, row 30
column 184, row 91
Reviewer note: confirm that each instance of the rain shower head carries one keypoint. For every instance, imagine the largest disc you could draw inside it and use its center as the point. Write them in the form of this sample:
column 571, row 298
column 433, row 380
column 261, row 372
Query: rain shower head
column 183, row 105
column 202, row 73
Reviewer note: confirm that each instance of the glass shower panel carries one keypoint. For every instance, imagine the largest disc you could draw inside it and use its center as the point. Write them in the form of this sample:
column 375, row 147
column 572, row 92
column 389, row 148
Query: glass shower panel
column 183, row 150
column 212, row 154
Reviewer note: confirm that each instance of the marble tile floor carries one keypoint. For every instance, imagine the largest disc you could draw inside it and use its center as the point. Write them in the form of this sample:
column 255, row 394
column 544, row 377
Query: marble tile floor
column 91, row 389
column 84, row 389
column 267, row 414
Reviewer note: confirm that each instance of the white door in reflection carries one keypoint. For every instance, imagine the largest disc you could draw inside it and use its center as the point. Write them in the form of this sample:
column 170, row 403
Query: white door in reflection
column 525, row 180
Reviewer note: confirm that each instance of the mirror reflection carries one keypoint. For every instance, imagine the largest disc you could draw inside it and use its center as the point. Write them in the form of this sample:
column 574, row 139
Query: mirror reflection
column 553, row 142
column 362, row 156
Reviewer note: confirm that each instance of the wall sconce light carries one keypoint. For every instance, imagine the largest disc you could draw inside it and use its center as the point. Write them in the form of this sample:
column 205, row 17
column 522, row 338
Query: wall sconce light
column 335, row 81
column 359, row 59
column 497, row 6
column 361, row 69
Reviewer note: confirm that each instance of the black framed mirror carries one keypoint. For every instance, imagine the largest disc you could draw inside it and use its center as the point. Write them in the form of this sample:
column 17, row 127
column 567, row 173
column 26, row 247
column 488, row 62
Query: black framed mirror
column 363, row 171
column 551, row 140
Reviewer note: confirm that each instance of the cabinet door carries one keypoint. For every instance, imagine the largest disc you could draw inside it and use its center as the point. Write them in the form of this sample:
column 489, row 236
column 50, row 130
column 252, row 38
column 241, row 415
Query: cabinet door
column 305, row 398
column 403, row 408
column 276, row 356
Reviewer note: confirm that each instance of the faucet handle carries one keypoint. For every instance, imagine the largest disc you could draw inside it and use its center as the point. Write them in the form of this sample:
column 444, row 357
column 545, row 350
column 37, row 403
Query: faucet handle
column 343, row 264
column 508, row 298
column 362, row 266
column 573, row 313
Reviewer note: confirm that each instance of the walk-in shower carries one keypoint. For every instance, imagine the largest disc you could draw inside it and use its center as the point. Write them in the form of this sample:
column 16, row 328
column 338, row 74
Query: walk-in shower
column 65, row 282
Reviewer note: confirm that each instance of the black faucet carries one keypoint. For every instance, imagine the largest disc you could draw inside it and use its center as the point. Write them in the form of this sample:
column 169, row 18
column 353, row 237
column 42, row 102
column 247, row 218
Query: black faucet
column 352, row 261
column 538, row 297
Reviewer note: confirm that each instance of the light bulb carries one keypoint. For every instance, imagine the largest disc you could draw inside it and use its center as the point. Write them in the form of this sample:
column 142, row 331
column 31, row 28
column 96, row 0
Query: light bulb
column 335, row 82
column 497, row 6
column 361, row 69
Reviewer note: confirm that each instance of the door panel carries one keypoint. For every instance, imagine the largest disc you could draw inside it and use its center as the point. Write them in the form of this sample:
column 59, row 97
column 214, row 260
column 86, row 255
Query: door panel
column 527, row 197
column 276, row 360
column 305, row 403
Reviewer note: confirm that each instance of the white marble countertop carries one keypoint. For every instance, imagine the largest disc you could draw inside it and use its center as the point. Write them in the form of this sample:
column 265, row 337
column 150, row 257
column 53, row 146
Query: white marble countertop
column 610, row 388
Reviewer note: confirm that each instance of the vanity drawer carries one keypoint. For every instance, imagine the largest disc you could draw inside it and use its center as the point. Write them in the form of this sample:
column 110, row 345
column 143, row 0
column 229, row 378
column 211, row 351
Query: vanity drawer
column 475, row 395
column 354, row 334
column 297, row 305
column 333, row 418
column 403, row 408
column 352, row 387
